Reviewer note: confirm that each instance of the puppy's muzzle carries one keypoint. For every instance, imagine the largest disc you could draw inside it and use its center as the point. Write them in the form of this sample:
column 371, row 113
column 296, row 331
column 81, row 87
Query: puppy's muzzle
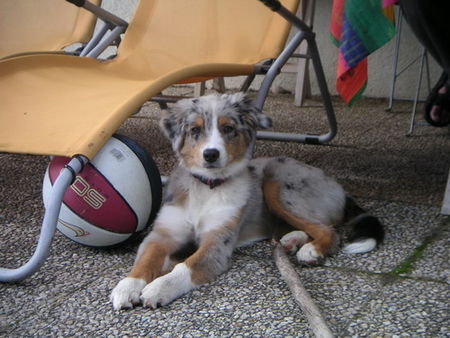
column 211, row 155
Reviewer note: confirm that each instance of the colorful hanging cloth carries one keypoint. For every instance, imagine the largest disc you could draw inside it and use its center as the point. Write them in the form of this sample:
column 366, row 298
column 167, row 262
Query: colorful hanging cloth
column 358, row 28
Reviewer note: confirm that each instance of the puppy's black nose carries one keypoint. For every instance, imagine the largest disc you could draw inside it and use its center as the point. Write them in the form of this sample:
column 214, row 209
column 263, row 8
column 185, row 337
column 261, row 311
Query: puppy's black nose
column 211, row 155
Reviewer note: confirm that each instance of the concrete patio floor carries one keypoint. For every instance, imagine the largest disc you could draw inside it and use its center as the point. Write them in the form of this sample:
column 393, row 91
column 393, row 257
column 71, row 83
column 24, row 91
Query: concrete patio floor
column 401, row 289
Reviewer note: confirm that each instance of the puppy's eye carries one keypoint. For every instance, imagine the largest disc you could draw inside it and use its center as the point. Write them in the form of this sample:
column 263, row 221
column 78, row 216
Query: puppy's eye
column 228, row 129
column 196, row 130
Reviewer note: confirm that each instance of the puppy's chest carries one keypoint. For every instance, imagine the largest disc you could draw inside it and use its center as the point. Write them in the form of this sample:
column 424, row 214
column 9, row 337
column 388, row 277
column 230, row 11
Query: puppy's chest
column 208, row 209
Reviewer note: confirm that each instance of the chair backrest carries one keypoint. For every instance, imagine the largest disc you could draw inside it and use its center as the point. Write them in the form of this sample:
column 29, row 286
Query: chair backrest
column 168, row 34
column 42, row 25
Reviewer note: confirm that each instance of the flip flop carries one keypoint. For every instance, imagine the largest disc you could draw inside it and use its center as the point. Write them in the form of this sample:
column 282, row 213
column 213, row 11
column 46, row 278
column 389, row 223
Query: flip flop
column 441, row 100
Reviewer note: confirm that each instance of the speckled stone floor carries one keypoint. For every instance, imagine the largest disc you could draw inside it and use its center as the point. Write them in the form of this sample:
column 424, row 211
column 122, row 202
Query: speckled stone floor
column 400, row 289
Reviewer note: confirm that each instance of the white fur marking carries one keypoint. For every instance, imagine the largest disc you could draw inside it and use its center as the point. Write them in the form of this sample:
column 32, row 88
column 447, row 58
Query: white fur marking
column 207, row 209
column 215, row 141
column 225, row 172
column 308, row 254
column 361, row 246
column 293, row 240
column 172, row 219
column 127, row 292
column 167, row 288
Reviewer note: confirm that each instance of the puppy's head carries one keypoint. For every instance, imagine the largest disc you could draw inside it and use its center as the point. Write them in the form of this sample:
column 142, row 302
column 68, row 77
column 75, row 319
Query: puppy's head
column 213, row 135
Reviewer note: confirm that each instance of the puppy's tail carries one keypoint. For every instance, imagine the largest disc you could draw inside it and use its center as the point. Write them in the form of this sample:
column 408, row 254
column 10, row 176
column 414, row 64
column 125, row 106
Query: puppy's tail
column 367, row 232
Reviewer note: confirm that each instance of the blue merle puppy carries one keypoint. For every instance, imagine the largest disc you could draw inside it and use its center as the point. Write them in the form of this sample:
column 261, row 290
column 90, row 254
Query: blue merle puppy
column 218, row 198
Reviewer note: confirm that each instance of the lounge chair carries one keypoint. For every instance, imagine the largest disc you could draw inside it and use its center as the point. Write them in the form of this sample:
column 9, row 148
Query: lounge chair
column 70, row 106
column 31, row 27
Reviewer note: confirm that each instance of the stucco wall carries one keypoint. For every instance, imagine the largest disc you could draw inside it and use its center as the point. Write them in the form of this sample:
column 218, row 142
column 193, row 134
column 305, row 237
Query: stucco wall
column 380, row 63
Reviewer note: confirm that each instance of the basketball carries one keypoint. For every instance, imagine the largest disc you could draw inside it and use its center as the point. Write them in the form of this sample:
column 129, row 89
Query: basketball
column 116, row 195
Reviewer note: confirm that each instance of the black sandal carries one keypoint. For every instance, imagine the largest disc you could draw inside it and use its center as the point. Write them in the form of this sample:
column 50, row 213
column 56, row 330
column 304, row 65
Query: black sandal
column 441, row 100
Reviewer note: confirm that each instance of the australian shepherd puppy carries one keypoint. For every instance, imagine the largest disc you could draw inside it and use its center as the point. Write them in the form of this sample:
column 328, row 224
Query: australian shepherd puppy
column 218, row 198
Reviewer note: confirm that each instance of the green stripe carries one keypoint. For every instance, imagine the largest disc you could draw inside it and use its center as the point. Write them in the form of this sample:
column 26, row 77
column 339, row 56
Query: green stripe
column 358, row 95
column 333, row 40
column 369, row 23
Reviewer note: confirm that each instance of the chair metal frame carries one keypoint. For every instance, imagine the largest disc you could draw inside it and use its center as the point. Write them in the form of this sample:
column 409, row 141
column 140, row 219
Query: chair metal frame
column 64, row 180
column 422, row 59
column 111, row 27
column 304, row 33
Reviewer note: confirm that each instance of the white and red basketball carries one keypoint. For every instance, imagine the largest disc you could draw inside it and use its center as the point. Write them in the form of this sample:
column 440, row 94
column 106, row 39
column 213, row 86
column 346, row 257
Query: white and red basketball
column 116, row 194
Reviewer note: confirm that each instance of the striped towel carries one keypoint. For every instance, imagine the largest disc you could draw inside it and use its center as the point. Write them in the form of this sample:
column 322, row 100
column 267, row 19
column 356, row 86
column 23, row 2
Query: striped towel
column 358, row 28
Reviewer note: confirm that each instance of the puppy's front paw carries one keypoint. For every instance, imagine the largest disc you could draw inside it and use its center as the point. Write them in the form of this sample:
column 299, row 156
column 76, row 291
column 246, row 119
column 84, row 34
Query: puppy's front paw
column 127, row 292
column 294, row 240
column 308, row 254
column 167, row 288
column 157, row 294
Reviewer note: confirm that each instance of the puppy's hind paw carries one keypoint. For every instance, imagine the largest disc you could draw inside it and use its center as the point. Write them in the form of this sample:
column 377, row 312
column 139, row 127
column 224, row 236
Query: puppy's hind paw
column 293, row 240
column 309, row 255
column 127, row 293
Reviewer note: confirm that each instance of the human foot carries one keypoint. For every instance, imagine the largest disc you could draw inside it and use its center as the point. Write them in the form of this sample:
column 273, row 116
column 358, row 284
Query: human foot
column 437, row 105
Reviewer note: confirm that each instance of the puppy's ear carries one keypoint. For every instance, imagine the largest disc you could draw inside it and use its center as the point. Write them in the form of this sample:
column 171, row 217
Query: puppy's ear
column 172, row 124
column 249, row 111
column 167, row 123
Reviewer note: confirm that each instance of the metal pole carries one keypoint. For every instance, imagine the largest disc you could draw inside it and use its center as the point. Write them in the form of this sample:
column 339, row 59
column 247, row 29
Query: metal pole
column 100, row 12
column 416, row 98
column 395, row 63
column 95, row 39
column 304, row 33
column 49, row 222
column 106, row 41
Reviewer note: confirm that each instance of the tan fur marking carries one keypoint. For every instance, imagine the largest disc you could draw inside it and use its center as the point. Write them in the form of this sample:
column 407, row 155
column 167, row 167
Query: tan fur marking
column 223, row 121
column 179, row 197
column 236, row 150
column 198, row 263
column 199, row 122
column 191, row 154
column 202, row 263
column 324, row 238
column 150, row 263
column 161, row 231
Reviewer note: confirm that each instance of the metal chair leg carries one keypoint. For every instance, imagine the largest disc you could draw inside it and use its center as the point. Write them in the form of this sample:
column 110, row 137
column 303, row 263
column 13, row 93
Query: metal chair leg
column 423, row 61
column 304, row 33
column 49, row 222
column 395, row 61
